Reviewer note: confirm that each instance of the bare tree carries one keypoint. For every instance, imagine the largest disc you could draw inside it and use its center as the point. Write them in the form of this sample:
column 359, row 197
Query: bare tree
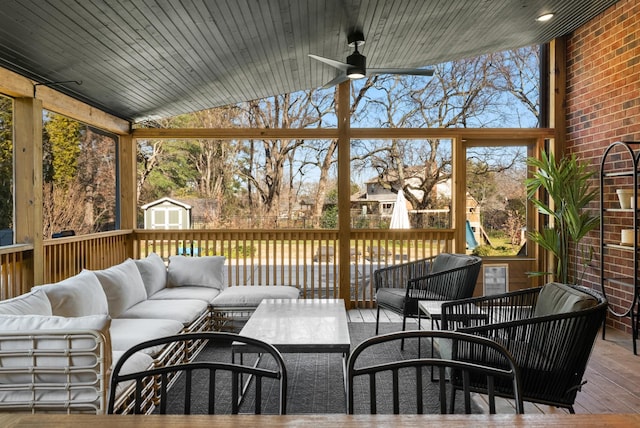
column 265, row 171
column 460, row 94
column 148, row 158
column 518, row 74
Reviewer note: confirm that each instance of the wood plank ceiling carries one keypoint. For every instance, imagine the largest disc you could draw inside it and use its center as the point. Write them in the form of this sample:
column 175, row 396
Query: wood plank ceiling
column 145, row 59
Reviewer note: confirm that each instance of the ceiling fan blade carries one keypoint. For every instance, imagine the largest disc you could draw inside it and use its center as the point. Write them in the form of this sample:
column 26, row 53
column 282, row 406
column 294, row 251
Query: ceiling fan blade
column 342, row 77
column 404, row 71
column 335, row 64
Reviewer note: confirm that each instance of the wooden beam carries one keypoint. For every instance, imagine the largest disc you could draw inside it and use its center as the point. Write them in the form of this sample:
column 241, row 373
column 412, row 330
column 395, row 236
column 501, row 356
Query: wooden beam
column 14, row 85
column 235, row 133
column 28, row 217
column 67, row 106
column 357, row 133
column 17, row 86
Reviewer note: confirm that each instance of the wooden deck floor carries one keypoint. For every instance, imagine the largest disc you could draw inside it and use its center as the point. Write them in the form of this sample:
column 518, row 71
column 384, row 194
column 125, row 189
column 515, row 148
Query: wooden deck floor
column 613, row 372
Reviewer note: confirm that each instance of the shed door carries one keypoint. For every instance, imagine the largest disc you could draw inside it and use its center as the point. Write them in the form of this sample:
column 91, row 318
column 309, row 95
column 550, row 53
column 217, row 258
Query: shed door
column 167, row 218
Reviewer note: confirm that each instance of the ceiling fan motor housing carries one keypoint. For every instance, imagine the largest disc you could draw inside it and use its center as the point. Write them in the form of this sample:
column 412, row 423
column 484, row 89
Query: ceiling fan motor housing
column 358, row 65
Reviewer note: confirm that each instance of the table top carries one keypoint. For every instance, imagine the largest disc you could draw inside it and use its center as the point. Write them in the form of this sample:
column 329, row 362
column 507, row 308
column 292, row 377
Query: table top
column 24, row 420
column 431, row 308
column 301, row 325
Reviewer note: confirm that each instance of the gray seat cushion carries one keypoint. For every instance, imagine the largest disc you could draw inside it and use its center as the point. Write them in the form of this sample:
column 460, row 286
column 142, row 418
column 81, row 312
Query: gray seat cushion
column 391, row 298
column 185, row 311
column 556, row 298
column 245, row 296
column 126, row 333
column 207, row 294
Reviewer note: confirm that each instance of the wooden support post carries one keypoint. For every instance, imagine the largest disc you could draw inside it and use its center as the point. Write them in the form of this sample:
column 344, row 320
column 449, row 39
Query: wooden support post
column 558, row 94
column 344, row 192
column 28, row 218
column 127, row 182
column 127, row 186
column 459, row 196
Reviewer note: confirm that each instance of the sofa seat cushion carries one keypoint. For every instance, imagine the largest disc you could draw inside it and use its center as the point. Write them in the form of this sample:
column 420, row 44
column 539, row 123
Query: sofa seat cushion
column 153, row 272
column 184, row 311
column 245, row 296
column 187, row 292
column 35, row 302
column 123, row 286
column 391, row 297
column 135, row 363
column 77, row 296
column 207, row 271
column 556, row 298
column 128, row 332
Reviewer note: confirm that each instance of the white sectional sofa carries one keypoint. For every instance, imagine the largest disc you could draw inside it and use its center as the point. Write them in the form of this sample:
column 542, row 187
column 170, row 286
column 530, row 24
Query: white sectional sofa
column 59, row 341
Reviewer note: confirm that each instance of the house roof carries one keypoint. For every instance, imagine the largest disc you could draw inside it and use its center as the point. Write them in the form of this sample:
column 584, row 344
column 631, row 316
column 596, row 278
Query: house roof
column 163, row 200
column 141, row 60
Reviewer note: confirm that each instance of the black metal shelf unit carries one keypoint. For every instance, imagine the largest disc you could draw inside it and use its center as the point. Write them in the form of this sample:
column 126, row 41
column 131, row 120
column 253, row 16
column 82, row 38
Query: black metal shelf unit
column 619, row 171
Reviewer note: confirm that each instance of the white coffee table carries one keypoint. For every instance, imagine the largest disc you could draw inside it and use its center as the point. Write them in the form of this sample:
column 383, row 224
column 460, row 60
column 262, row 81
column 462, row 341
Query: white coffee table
column 301, row 326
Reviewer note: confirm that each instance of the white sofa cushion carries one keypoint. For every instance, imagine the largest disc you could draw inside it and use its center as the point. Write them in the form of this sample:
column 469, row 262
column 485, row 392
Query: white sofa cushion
column 137, row 362
column 187, row 292
column 251, row 295
column 205, row 271
column 185, row 311
column 33, row 303
column 53, row 322
column 127, row 332
column 77, row 296
column 123, row 286
column 153, row 273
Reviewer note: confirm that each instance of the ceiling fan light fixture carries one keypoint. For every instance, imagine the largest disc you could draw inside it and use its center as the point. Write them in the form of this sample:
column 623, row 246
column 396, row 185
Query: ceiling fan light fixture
column 355, row 73
column 358, row 65
column 544, row 17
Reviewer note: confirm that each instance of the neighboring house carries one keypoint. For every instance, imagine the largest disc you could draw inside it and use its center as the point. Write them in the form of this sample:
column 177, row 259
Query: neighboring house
column 379, row 199
column 167, row 213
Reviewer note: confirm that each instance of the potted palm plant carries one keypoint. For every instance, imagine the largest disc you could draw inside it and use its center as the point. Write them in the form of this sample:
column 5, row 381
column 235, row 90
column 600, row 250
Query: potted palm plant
column 567, row 183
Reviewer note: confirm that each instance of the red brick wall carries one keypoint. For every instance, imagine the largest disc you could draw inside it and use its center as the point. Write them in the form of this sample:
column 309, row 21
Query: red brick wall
column 603, row 103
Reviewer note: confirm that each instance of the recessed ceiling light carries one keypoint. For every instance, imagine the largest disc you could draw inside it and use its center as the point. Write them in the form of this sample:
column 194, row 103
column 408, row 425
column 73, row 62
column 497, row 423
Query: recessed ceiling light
column 545, row 17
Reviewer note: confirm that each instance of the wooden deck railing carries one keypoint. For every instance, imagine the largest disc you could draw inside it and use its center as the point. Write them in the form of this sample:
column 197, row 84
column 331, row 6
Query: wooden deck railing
column 307, row 259
column 15, row 264
column 65, row 257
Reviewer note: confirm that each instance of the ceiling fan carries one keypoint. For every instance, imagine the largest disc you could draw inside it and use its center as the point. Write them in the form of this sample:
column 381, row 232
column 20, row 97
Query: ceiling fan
column 356, row 65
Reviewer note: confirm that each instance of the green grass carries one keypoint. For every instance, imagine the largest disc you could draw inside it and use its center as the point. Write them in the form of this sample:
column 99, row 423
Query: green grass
column 501, row 247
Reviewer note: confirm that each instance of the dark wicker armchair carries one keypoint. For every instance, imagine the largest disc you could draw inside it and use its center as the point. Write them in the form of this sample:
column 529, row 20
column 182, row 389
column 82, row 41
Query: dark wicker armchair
column 550, row 331
column 443, row 277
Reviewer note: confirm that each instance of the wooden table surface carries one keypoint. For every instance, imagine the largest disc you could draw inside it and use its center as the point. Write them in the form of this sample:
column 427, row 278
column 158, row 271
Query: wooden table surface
column 317, row 421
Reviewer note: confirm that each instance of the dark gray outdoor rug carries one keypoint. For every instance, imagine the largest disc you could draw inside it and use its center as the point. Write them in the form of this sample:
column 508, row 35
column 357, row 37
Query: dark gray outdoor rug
column 315, row 382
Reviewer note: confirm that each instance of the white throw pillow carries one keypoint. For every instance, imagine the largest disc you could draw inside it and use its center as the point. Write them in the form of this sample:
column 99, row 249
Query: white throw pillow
column 205, row 271
column 123, row 286
column 33, row 303
column 77, row 296
column 153, row 272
